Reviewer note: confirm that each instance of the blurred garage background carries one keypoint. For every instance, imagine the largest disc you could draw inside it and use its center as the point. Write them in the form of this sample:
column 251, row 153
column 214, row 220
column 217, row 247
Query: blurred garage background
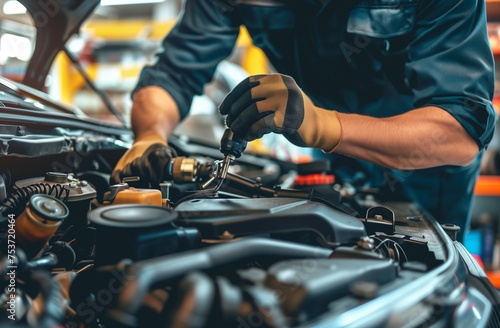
column 123, row 35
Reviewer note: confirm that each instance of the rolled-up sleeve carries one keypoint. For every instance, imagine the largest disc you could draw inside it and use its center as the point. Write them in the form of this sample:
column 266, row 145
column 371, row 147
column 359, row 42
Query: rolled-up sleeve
column 204, row 35
column 450, row 64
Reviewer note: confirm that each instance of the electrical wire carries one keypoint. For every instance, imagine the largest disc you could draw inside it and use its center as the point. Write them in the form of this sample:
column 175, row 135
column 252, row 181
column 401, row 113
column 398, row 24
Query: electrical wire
column 207, row 193
column 402, row 251
column 17, row 200
column 397, row 248
column 381, row 242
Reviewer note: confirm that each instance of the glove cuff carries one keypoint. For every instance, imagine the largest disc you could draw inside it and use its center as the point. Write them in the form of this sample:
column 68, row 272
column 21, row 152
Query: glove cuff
column 151, row 139
column 328, row 130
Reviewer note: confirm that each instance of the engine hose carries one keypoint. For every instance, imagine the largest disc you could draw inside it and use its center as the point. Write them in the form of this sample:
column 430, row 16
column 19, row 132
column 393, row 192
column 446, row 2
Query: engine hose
column 16, row 201
column 141, row 275
column 52, row 312
column 190, row 304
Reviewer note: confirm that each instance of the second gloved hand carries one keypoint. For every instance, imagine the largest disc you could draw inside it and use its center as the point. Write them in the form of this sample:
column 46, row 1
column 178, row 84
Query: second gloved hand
column 263, row 104
column 147, row 159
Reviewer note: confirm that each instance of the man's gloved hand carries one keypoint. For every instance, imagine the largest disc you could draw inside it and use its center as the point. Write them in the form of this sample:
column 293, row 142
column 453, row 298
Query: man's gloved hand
column 262, row 104
column 147, row 159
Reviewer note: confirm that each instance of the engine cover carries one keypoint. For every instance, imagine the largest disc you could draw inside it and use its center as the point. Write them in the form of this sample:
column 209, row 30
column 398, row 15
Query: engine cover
column 213, row 217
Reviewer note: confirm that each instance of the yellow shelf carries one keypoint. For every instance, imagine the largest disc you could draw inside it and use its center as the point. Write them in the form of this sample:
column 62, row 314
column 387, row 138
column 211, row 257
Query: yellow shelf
column 253, row 59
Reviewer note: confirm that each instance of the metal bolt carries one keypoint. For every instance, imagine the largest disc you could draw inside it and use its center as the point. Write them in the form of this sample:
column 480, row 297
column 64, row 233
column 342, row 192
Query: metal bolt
column 366, row 243
column 165, row 189
column 226, row 235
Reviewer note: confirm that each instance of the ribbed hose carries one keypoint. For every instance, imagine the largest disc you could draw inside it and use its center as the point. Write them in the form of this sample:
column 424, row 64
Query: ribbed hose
column 52, row 312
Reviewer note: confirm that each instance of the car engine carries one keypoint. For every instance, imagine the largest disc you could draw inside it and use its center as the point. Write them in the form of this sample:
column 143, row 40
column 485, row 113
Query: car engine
column 227, row 239
column 255, row 248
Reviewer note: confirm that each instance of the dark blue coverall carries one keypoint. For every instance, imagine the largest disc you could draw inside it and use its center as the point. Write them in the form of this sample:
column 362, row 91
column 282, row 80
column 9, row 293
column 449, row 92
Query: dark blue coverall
column 372, row 57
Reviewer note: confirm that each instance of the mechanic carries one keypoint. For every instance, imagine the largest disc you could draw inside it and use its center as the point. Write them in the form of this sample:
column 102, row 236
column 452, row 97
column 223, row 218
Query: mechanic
column 403, row 86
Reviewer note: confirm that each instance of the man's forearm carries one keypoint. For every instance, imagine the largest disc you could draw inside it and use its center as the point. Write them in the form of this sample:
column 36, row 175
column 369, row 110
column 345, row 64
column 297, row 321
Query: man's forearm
column 422, row 138
column 154, row 111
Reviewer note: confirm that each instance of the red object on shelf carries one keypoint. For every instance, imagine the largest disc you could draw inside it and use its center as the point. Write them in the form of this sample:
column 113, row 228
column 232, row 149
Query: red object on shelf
column 487, row 186
column 496, row 103
column 494, row 278
column 494, row 34
column 478, row 260
column 314, row 179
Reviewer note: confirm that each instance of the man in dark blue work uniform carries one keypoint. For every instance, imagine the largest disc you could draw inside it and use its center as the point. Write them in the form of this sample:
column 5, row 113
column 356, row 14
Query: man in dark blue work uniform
column 405, row 86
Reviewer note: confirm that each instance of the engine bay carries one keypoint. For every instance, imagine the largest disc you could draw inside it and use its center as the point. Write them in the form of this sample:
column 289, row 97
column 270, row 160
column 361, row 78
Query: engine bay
column 258, row 251
column 227, row 239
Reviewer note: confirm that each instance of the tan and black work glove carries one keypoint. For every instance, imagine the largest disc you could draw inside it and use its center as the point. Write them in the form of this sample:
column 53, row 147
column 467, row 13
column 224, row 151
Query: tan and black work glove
column 262, row 104
column 147, row 158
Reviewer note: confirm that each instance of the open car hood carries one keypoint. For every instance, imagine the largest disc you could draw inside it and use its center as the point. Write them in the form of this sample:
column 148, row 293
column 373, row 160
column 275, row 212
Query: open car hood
column 31, row 122
column 55, row 21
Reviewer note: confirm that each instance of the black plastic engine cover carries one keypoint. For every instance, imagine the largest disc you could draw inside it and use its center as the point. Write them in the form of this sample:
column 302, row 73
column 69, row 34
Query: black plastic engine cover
column 307, row 286
column 212, row 217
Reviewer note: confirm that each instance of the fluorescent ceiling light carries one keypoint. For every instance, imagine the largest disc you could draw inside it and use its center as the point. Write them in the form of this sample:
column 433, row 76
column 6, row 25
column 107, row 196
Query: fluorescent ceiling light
column 15, row 46
column 13, row 8
column 127, row 2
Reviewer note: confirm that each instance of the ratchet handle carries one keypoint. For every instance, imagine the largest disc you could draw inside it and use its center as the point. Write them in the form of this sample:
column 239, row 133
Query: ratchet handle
column 232, row 145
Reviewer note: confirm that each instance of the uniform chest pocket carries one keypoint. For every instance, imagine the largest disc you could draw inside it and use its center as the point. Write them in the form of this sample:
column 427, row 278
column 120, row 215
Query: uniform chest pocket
column 382, row 18
column 267, row 18
column 271, row 28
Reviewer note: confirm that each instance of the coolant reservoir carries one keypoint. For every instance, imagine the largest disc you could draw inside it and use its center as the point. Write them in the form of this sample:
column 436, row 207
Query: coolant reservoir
column 122, row 193
column 138, row 196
